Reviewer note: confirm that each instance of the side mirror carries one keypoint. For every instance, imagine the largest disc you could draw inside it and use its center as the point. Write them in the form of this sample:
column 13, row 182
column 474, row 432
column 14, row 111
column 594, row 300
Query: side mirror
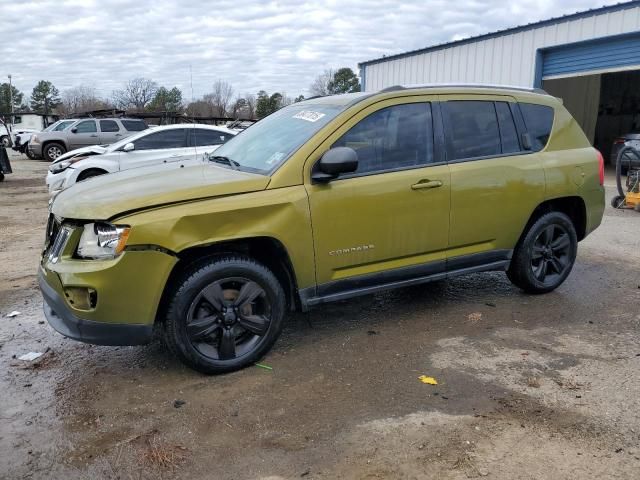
column 527, row 143
column 129, row 147
column 74, row 130
column 335, row 162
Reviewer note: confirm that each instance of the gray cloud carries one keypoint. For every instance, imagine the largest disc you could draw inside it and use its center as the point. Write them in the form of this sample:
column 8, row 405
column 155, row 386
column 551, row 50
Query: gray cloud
column 276, row 46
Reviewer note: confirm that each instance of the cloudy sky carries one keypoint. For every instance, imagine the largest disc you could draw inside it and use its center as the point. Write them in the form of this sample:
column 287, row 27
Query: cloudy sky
column 275, row 46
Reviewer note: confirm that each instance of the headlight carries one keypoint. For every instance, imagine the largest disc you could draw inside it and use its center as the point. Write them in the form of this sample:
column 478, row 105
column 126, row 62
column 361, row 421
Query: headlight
column 102, row 240
column 60, row 166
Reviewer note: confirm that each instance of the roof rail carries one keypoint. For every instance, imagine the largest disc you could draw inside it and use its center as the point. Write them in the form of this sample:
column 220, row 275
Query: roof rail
column 395, row 88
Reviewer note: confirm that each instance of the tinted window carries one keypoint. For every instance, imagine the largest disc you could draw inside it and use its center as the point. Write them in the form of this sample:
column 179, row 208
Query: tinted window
column 201, row 137
column 174, row 138
column 109, row 126
column 538, row 119
column 508, row 132
column 87, row 126
column 134, row 125
column 473, row 129
column 394, row 137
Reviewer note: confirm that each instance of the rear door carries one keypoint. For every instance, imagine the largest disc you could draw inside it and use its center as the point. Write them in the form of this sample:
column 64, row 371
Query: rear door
column 83, row 134
column 495, row 183
column 109, row 131
column 158, row 147
column 206, row 141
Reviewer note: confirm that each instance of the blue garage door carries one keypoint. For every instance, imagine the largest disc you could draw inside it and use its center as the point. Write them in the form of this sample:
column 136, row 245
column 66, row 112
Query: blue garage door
column 592, row 56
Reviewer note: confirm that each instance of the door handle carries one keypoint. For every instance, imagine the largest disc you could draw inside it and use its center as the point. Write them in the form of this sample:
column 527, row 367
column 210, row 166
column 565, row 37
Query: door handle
column 94, row 135
column 426, row 184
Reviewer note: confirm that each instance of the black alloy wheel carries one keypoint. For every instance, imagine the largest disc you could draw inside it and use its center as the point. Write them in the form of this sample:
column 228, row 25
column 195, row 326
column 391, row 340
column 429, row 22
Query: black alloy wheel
column 550, row 257
column 545, row 255
column 228, row 318
column 224, row 313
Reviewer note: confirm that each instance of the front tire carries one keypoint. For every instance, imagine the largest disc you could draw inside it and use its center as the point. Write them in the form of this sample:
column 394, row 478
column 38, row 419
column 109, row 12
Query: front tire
column 53, row 150
column 5, row 141
column 545, row 256
column 224, row 314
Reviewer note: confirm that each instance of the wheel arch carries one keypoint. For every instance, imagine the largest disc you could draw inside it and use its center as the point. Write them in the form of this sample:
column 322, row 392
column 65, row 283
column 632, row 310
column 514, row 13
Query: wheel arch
column 90, row 170
column 267, row 250
column 50, row 141
column 573, row 207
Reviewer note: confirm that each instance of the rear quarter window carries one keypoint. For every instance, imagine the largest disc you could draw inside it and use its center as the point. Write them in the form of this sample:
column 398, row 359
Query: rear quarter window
column 134, row 125
column 538, row 120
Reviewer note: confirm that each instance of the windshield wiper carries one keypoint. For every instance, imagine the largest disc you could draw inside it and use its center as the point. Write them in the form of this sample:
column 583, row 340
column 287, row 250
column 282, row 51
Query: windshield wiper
column 226, row 160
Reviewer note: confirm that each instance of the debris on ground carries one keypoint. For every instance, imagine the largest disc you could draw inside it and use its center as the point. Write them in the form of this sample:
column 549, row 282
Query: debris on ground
column 533, row 382
column 266, row 367
column 31, row 356
column 162, row 456
column 371, row 332
column 475, row 317
column 179, row 403
column 428, row 380
column 15, row 313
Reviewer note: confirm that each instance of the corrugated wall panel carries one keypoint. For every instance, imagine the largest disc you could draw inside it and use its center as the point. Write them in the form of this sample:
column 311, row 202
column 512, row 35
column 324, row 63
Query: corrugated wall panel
column 504, row 59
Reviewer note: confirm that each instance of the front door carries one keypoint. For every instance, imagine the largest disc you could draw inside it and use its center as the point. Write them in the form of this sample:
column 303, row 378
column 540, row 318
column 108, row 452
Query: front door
column 388, row 221
column 83, row 134
column 166, row 146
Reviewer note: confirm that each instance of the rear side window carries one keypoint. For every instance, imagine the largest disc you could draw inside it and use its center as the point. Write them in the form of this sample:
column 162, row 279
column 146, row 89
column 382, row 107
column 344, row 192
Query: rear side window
column 109, row 126
column 201, row 137
column 400, row 136
column 508, row 132
column 134, row 125
column 472, row 129
column 174, row 138
column 538, row 119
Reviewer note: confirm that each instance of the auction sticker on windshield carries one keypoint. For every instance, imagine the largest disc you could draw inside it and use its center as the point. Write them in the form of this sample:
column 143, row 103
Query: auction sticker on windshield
column 309, row 116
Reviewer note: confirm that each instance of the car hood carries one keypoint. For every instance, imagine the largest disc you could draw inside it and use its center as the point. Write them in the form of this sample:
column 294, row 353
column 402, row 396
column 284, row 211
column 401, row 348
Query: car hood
column 107, row 196
column 81, row 152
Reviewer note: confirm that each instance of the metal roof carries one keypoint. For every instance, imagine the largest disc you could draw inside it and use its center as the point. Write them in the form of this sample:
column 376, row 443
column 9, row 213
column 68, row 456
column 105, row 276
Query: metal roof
column 508, row 31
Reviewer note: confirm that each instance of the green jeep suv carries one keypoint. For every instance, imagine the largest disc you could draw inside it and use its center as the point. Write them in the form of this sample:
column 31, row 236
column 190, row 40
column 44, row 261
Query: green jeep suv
column 323, row 200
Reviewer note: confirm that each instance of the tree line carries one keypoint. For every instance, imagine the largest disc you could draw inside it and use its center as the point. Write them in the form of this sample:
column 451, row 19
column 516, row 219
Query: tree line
column 145, row 95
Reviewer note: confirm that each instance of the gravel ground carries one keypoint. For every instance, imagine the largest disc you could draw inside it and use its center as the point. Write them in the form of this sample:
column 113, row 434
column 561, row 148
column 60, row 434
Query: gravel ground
column 529, row 387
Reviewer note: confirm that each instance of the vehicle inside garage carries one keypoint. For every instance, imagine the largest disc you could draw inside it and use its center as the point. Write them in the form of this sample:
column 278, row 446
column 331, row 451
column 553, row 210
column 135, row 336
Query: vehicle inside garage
column 606, row 105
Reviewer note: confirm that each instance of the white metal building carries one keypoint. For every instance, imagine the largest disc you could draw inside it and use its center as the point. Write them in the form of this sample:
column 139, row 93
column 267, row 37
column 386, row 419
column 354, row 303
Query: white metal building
column 590, row 59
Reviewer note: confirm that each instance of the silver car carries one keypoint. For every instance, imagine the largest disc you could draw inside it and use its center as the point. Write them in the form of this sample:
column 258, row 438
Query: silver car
column 83, row 133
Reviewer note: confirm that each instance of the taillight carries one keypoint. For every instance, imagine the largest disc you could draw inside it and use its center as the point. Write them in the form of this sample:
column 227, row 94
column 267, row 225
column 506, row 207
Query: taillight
column 600, row 167
column 618, row 141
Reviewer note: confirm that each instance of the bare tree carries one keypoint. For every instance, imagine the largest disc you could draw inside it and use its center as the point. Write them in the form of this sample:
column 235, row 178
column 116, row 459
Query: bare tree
column 320, row 85
column 137, row 93
column 220, row 98
column 79, row 99
column 251, row 105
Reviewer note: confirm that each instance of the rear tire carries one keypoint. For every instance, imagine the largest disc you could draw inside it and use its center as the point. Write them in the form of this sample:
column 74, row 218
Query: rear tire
column 52, row 151
column 618, row 201
column 545, row 256
column 5, row 141
column 224, row 314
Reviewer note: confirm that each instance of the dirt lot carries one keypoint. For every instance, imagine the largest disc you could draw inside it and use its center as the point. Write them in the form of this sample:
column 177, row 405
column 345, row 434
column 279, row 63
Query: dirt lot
column 529, row 386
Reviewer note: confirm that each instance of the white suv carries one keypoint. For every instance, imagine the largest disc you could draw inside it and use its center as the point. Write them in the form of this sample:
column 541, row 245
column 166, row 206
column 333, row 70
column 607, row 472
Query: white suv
column 154, row 146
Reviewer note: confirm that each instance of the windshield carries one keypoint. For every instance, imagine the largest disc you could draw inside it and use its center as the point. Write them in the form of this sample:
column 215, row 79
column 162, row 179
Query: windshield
column 268, row 143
